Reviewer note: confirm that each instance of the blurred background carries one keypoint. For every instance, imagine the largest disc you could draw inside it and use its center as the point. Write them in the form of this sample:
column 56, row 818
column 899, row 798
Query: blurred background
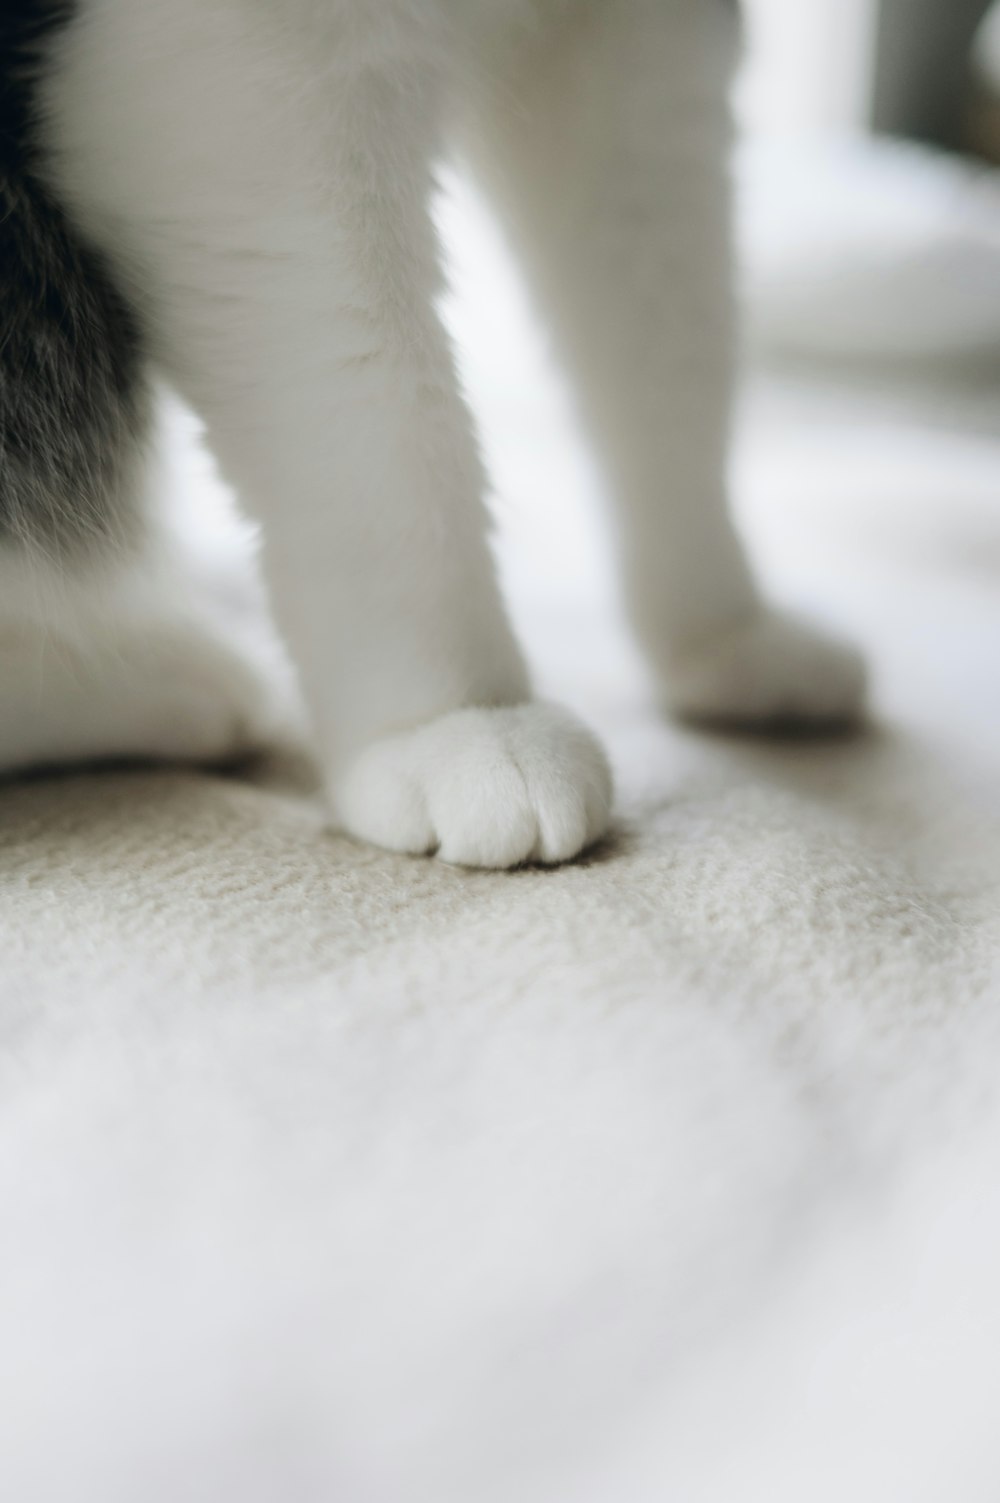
column 870, row 208
column 923, row 68
column 868, row 453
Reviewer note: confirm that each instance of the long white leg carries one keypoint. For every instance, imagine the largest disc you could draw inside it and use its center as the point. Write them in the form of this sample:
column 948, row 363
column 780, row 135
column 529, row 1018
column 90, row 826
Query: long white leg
column 262, row 173
column 605, row 140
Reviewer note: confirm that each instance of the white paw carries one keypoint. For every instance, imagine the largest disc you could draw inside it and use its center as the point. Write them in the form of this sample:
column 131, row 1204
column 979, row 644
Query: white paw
column 771, row 670
column 487, row 788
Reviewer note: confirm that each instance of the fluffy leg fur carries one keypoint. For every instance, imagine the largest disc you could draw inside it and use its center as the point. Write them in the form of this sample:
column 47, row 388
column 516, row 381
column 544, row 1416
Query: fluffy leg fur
column 604, row 138
column 260, row 177
column 156, row 647
column 103, row 677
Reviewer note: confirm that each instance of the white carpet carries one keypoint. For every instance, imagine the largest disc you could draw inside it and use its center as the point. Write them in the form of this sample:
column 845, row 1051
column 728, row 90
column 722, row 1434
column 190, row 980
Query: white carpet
column 673, row 1175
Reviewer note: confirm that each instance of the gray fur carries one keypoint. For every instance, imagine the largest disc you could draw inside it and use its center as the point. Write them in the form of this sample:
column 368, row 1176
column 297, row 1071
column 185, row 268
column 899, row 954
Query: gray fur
column 73, row 400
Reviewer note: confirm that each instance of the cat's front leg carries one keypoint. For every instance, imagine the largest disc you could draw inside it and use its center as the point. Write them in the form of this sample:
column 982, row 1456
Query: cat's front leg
column 606, row 142
column 263, row 181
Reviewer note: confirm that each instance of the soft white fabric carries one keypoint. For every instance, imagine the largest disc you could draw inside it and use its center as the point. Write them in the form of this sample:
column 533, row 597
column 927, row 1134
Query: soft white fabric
column 331, row 1175
column 884, row 249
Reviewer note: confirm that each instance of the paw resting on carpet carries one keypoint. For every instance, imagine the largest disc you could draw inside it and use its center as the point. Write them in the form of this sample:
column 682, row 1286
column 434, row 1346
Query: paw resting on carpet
column 481, row 787
column 771, row 670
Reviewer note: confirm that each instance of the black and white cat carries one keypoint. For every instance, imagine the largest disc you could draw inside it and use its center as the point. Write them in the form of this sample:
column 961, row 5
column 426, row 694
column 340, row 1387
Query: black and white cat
column 236, row 193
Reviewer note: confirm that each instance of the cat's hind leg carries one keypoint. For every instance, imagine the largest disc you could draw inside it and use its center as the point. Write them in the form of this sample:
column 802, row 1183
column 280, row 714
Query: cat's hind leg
column 112, row 675
column 158, row 649
column 113, row 639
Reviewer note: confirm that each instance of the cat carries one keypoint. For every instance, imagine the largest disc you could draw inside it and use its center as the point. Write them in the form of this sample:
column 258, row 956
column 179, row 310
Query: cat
column 236, row 194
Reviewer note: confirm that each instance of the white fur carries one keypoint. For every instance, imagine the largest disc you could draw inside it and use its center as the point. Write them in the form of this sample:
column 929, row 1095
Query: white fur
column 483, row 788
column 163, row 651
column 260, row 173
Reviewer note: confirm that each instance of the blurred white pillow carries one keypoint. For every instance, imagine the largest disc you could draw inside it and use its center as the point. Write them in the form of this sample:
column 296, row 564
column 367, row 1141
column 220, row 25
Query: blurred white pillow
column 869, row 248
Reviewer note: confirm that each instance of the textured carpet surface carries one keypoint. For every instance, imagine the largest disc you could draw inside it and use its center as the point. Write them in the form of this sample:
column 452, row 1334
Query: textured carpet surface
column 329, row 1175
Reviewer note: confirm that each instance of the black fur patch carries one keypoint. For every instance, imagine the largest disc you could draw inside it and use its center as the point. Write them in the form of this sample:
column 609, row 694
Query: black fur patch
column 72, row 389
